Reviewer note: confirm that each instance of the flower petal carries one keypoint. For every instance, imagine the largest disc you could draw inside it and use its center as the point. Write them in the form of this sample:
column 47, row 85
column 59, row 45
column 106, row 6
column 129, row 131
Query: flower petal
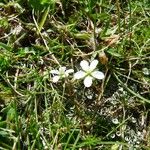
column 69, row 71
column 62, row 69
column 56, row 78
column 84, row 65
column 93, row 64
column 54, row 71
column 79, row 75
column 98, row 74
column 88, row 81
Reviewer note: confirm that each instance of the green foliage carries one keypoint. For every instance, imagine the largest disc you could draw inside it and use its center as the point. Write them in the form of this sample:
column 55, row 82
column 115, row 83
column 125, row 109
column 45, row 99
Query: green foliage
column 4, row 23
column 5, row 47
column 90, row 141
column 5, row 57
column 39, row 5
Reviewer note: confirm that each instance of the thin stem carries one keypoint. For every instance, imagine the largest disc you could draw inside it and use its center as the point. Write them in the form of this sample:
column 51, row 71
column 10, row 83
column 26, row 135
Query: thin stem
column 130, row 17
column 118, row 13
column 45, row 43
column 17, row 123
column 44, row 16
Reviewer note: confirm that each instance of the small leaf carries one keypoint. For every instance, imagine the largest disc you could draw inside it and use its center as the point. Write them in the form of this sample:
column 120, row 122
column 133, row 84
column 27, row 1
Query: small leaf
column 115, row 147
column 5, row 47
column 11, row 114
column 114, row 53
column 2, row 124
column 83, row 36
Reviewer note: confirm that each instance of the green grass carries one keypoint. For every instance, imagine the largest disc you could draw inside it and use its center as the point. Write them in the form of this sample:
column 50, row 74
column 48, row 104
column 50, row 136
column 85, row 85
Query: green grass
column 35, row 38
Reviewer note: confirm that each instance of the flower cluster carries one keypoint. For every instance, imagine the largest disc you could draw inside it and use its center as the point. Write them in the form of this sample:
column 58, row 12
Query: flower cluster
column 88, row 72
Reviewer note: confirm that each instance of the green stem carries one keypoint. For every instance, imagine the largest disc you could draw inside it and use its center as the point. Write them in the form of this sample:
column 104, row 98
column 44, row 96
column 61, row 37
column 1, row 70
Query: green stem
column 44, row 16
column 118, row 12
column 17, row 123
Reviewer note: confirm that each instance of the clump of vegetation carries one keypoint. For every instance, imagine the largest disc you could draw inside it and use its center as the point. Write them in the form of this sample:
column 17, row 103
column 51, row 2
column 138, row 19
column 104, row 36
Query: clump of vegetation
column 74, row 74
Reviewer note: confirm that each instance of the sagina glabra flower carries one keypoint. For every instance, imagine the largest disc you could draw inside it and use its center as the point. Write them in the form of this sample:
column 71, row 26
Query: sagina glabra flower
column 88, row 72
column 61, row 73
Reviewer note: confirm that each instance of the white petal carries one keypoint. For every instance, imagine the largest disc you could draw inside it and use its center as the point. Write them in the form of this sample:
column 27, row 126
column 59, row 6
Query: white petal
column 54, row 71
column 69, row 71
column 84, row 65
column 79, row 75
column 93, row 64
column 98, row 74
column 56, row 78
column 62, row 69
column 88, row 81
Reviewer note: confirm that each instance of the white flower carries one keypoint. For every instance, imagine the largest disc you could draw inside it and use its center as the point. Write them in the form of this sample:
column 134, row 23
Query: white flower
column 17, row 30
column 88, row 72
column 61, row 73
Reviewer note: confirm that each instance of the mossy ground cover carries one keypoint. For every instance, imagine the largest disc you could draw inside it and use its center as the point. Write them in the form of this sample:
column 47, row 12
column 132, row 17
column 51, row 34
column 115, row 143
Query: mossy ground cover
column 37, row 37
